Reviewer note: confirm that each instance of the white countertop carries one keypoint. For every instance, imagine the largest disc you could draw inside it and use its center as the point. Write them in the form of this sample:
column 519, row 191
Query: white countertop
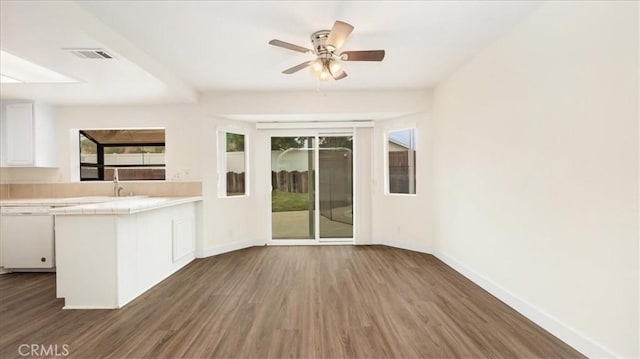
column 124, row 205
column 58, row 202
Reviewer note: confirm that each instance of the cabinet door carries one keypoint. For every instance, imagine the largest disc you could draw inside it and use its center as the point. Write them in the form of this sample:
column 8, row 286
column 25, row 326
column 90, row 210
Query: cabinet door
column 19, row 134
column 183, row 238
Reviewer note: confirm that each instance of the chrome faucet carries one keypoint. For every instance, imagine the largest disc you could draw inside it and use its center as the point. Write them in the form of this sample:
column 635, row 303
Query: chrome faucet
column 117, row 188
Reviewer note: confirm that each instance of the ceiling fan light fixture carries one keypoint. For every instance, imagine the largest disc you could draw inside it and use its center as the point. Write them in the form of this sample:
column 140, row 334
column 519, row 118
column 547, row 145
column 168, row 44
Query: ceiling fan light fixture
column 328, row 64
column 317, row 66
column 335, row 67
column 324, row 75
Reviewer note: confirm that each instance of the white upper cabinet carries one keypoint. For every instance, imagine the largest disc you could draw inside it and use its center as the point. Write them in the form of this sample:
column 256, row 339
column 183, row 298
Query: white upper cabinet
column 19, row 134
column 28, row 135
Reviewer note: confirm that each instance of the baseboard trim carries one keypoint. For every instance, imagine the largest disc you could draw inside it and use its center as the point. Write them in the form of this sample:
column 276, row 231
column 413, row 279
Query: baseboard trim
column 227, row 247
column 403, row 245
column 569, row 335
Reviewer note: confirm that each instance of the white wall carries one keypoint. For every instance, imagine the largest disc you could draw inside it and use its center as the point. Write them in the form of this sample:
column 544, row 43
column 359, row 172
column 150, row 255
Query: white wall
column 191, row 152
column 228, row 222
column 183, row 137
column 401, row 220
column 363, row 190
column 536, row 172
column 236, row 162
column 127, row 158
column 246, row 219
column 315, row 105
column 296, row 159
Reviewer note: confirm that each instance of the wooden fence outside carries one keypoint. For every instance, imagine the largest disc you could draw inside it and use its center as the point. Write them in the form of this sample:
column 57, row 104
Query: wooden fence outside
column 399, row 175
column 235, row 182
column 294, row 181
column 285, row 181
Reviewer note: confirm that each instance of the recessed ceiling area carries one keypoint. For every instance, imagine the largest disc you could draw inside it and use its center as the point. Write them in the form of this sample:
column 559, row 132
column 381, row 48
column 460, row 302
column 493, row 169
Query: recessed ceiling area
column 16, row 70
column 170, row 51
column 41, row 32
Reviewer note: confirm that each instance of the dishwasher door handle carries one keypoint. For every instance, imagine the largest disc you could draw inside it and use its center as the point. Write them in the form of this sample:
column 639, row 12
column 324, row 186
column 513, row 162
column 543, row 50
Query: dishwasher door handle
column 25, row 211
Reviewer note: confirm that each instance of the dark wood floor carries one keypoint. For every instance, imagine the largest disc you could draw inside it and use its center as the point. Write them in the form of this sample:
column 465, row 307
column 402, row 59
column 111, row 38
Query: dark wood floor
column 277, row 302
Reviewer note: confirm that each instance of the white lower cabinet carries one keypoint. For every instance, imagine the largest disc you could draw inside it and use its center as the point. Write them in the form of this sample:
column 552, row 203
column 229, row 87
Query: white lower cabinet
column 105, row 261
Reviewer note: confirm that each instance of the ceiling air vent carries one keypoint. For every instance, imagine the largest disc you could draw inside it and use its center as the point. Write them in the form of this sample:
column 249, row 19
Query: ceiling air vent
column 90, row 53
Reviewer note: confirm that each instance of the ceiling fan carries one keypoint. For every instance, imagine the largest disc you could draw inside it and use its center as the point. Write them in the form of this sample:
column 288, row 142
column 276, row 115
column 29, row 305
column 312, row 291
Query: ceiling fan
column 326, row 44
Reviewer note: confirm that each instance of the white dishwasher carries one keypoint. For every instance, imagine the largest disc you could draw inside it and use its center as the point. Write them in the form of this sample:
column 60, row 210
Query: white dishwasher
column 27, row 238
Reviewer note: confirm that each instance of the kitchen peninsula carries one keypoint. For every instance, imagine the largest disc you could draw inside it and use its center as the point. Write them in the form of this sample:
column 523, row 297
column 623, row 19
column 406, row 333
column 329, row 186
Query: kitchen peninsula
column 109, row 253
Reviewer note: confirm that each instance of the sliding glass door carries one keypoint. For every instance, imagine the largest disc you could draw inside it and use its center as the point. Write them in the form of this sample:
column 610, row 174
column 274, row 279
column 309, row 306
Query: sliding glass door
column 292, row 188
column 335, row 186
column 312, row 188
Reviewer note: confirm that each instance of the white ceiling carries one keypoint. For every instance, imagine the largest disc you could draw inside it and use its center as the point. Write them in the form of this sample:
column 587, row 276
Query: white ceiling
column 167, row 51
column 38, row 31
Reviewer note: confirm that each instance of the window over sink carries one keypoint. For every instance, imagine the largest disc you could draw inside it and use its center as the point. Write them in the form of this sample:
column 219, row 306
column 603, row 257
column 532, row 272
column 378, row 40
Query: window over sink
column 138, row 154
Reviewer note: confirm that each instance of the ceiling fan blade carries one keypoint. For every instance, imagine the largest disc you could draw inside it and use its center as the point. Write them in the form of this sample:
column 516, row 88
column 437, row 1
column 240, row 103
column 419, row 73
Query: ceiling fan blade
column 289, row 46
column 339, row 75
column 367, row 55
column 297, row 68
column 338, row 35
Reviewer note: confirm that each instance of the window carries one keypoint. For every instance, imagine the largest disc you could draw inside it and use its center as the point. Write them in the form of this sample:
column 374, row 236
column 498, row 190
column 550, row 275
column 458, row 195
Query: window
column 137, row 154
column 233, row 165
column 401, row 149
column 89, row 169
